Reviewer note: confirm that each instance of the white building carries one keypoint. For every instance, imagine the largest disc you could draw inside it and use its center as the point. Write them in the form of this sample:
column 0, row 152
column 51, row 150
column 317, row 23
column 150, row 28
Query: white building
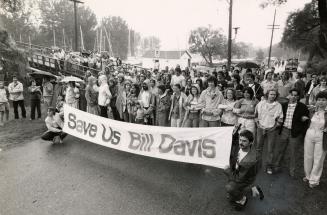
column 161, row 59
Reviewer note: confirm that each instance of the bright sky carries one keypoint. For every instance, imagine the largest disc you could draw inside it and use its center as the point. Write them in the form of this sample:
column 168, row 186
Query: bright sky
column 172, row 20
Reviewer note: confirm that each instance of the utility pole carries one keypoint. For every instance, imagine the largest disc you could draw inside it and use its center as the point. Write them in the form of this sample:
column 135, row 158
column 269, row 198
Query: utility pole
column 76, row 28
column 272, row 27
column 229, row 52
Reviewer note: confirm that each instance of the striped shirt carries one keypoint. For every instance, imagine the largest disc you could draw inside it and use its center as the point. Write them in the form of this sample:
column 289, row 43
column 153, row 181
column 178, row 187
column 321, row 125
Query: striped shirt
column 289, row 116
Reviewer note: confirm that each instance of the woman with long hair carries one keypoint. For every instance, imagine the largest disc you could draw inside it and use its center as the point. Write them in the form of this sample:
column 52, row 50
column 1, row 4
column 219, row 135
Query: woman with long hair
column 199, row 82
column 162, row 106
column 237, row 86
column 187, row 89
column 72, row 95
column 322, row 86
column 131, row 102
column 245, row 109
column 269, row 83
column 114, row 93
column 192, row 115
column 315, row 143
column 228, row 117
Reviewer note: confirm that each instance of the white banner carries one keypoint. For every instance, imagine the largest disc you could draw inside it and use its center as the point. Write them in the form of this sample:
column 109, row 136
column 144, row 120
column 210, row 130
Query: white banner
column 207, row 146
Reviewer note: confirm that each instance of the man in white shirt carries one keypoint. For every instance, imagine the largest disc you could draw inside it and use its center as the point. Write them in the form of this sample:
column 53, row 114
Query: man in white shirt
column 104, row 96
column 16, row 90
column 177, row 78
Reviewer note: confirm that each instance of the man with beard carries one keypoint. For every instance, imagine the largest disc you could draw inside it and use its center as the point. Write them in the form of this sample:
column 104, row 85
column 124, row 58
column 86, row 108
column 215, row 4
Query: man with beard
column 242, row 172
column 147, row 101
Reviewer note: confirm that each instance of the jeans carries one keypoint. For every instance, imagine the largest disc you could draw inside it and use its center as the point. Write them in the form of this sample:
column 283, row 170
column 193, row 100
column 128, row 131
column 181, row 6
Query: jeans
column 35, row 104
column 49, row 135
column 192, row 120
column 103, row 111
column 22, row 107
column 269, row 136
column 237, row 190
column 205, row 123
column 314, row 155
column 286, row 138
column 176, row 122
column 247, row 124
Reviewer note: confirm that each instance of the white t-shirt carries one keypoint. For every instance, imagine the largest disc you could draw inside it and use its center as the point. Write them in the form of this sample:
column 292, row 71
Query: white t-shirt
column 104, row 95
column 241, row 155
column 145, row 98
column 178, row 80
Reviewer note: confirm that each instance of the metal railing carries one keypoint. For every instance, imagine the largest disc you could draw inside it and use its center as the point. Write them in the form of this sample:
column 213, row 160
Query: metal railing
column 63, row 66
column 38, row 58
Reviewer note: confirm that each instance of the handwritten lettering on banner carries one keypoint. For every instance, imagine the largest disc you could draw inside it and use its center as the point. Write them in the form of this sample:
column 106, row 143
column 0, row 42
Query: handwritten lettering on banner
column 206, row 146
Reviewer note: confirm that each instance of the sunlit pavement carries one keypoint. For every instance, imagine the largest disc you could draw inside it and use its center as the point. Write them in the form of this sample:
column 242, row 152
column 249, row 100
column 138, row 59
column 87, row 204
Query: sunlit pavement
column 83, row 178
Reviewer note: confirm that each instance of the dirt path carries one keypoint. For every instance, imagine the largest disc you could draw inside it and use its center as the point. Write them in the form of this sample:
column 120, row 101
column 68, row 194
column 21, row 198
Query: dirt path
column 17, row 131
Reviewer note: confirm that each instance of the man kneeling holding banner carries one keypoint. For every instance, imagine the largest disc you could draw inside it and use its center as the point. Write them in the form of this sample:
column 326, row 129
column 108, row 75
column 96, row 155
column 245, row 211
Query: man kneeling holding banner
column 242, row 171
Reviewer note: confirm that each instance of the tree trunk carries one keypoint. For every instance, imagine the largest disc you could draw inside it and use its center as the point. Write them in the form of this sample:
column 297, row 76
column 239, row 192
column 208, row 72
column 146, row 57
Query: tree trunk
column 203, row 55
column 312, row 53
column 322, row 7
column 210, row 59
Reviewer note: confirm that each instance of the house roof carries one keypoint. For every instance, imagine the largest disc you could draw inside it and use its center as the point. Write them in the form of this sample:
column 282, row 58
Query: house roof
column 166, row 54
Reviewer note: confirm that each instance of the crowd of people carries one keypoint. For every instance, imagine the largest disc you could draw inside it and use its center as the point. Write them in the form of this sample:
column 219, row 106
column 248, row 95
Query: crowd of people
column 68, row 60
column 277, row 110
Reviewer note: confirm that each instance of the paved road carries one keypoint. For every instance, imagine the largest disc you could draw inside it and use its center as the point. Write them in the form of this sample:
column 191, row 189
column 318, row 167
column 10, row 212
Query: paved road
column 83, row 178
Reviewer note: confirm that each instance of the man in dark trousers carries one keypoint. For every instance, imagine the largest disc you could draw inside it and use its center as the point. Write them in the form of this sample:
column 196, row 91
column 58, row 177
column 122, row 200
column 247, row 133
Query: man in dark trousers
column 292, row 130
column 242, row 172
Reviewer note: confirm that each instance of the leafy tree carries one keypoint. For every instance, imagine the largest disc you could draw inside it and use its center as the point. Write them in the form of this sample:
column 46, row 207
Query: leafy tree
column 11, row 58
column 302, row 31
column 59, row 15
column 118, row 30
column 322, row 14
column 260, row 55
column 208, row 43
column 241, row 49
column 19, row 21
column 11, row 6
column 150, row 43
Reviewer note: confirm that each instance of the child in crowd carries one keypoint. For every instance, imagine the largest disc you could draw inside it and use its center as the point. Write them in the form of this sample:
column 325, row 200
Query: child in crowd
column 139, row 119
column 4, row 105
column 59, row 104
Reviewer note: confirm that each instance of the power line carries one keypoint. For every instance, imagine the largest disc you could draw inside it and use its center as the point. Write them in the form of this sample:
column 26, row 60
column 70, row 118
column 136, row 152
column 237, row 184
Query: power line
column 273, row 27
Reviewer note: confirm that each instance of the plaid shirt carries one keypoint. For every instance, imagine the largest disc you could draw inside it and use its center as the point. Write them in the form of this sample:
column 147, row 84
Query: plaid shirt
column 289, row 116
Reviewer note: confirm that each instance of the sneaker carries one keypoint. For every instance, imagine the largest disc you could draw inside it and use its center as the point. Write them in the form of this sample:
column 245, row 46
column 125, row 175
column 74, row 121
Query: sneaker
column 261, row 195
column 256, row 191
column 269, row 171
column 313, row 185
column 240, row 205
column 305, row 179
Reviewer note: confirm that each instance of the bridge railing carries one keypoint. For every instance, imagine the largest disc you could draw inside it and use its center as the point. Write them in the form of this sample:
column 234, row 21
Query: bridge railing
column 38, row 55
column 63, row 66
